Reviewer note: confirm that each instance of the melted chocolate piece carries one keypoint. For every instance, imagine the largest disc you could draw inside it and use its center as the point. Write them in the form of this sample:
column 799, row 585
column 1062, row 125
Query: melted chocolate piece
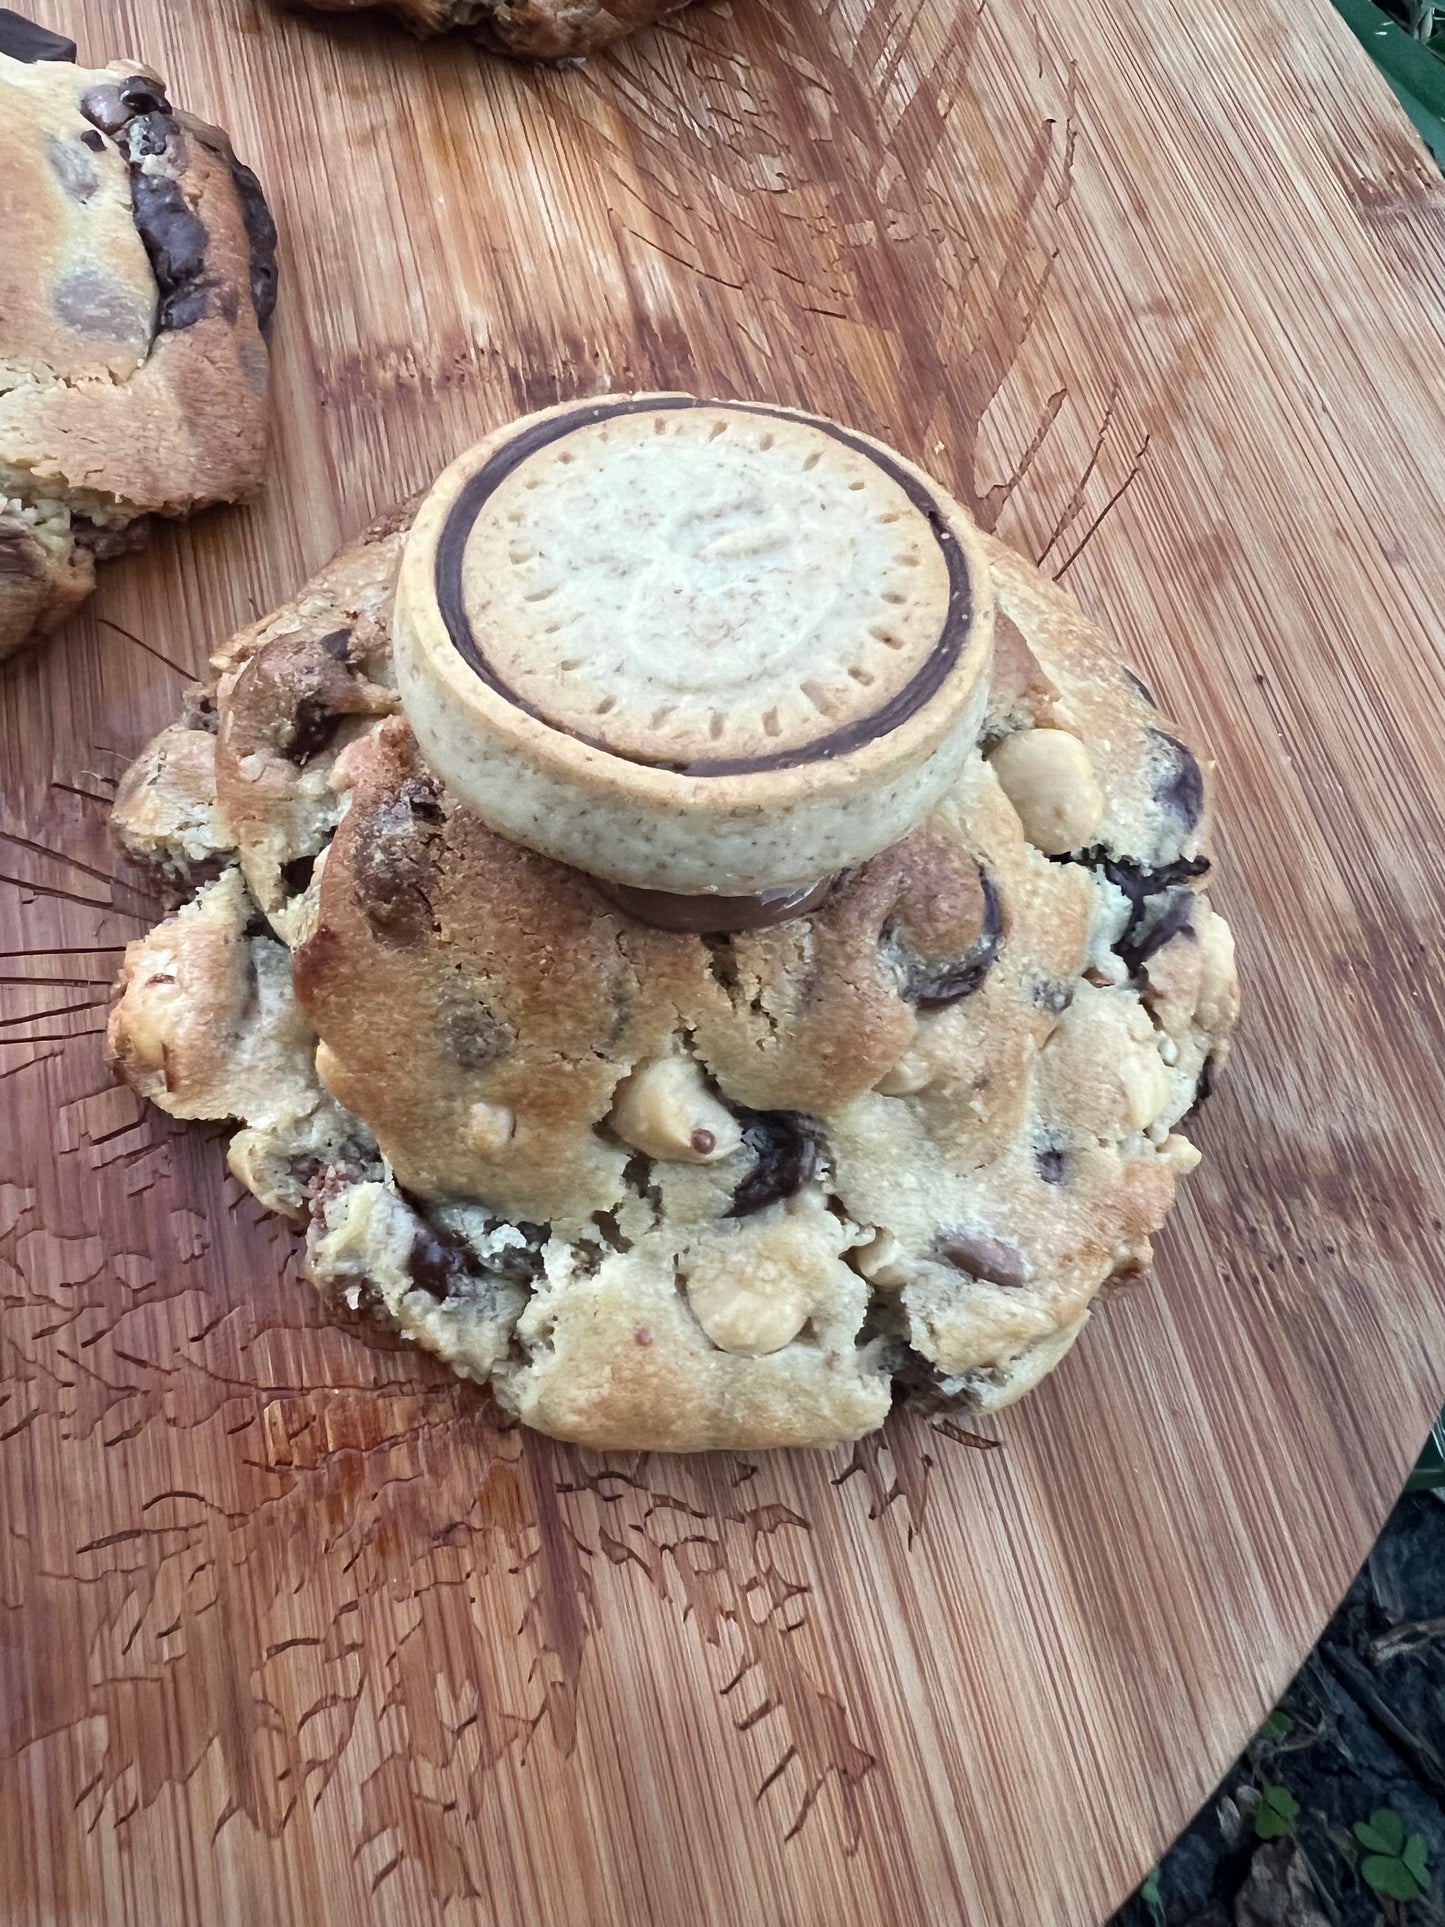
column 440, row 1260
column 919, row 1386
column 990, row 1259
column 175, row 239
column 714, row 916
column 1049, row 1163
column 1172, row 921
column 475, row 1036
column 314, row 730
column 1203, row 1090
column 296, row 875
column 255, row 218
column 1140, row 886
column 1179, row 786
column 23, row 40
column 925, row 684
column 785, row 1147
column 1138, row 684
column 315, row 720
column 260, row 229
column 933, row 985
column 393, row 864
column 113, row 105
column 174, row 235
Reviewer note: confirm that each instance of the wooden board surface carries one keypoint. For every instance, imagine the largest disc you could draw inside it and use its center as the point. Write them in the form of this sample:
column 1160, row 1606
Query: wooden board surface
column 290, row 1628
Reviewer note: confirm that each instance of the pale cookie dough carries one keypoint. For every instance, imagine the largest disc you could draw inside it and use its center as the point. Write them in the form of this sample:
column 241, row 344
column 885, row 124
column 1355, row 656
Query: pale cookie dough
column 137, row 282
column 670, row 1191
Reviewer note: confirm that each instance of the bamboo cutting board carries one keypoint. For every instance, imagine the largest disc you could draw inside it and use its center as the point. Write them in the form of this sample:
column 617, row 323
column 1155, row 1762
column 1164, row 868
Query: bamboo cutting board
column 291, row 1628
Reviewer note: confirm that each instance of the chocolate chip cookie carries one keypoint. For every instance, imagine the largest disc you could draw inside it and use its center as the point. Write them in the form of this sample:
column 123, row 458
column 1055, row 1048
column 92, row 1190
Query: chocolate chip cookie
column 136, row 290
column 526, row 29
column 723, row 1178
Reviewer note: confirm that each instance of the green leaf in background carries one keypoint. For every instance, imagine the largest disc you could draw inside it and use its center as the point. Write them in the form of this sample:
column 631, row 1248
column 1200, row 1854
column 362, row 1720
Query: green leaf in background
column 1417, row 1858
column 1416, row 75
column 1394, row 1867
column 1390, row 1878
column 1383, row 1832
column 1276, row 1727
column 1276, row 1814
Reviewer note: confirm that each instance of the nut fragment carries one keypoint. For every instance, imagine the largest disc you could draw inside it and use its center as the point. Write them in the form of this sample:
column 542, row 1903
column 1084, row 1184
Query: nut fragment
column 665, row 1109
column 328, row 1064
column 489, row 1128
column 753, row 1288
column 1171, row 986
column 1218, row 1002
column 1145, row 1085
column 152, row 1005
column 911, row 1073
column 1047, row 776
column 1179, row 1154
column 880, row 1261
column 1101, row 1067
column 748, row 1316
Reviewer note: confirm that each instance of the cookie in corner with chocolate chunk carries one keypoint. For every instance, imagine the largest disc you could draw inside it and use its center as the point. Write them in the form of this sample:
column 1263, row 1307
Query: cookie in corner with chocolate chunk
column 701, row 937
column 137, row 284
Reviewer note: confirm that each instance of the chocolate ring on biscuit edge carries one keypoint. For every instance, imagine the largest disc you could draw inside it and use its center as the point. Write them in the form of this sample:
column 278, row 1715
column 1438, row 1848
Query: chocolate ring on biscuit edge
column 673, row 606
column 451, row 550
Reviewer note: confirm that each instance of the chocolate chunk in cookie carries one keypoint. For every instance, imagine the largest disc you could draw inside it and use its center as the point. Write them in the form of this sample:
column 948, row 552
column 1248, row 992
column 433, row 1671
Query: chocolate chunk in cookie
column 784, row 1148
column 1179, row 785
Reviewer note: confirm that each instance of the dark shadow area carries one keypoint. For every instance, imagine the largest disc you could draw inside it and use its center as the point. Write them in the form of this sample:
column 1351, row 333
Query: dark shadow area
column 1334, row 1816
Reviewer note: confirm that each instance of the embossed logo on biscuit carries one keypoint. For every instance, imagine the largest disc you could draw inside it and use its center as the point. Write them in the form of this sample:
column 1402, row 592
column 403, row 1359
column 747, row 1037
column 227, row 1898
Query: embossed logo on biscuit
column 696, row 648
